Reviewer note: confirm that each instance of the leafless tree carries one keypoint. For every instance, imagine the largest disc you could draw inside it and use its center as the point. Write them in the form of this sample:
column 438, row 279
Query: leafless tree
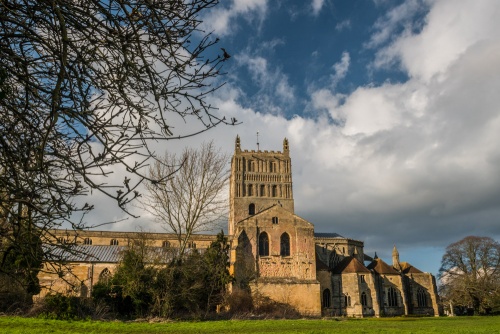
column 86, row 85
column 191, row 200
column 470, row 273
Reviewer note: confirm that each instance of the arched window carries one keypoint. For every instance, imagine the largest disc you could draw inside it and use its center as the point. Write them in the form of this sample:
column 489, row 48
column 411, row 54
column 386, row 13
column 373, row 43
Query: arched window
column 250, row 190
column 263, row 244
column 392, row 297
column 84, row 291
column 347, row 300
column 87, row 241
column 262, row 190
column 275, row 220
column 251, row 209
column 326, row 298
column 421, row 298
column 364, row 299
column 285, row 244
column 105, row 276
column 165, row 244
column 113, row 242
column 274, row 192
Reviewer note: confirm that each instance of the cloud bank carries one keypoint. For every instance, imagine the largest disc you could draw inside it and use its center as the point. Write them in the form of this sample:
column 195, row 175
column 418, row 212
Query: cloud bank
column 413, row 163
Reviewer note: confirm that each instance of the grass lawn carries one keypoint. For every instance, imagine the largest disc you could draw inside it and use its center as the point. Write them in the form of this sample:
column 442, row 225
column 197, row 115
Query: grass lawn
column 383, row 325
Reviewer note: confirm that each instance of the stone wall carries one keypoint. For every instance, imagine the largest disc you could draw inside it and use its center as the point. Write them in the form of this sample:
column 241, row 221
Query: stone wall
column 76, row 279
column 304, row 296
column 424, row 284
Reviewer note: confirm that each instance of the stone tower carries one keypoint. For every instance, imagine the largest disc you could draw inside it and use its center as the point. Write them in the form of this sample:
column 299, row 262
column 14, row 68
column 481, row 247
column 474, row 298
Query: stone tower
column 272, row 249
column 259, row 179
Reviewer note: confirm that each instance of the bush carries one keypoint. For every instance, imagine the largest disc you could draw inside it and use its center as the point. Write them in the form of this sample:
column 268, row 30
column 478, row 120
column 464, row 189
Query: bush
column 239, row 301
column 62, row 307
column 269, row 308
column 13, row 297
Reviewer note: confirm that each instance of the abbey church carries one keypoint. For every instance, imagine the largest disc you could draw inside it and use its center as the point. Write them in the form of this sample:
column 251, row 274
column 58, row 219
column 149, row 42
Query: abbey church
column 277, row 254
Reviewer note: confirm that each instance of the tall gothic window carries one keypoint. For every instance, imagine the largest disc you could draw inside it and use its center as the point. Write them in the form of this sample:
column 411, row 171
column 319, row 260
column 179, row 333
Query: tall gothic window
column 262, row 190
column 364, row 299
column 263, row 244
column 285, row 244
column 326, row 298
column 347, row 300
column 250, row 190
column 105, row 276
column 421, row 298
column 392, row 297
column 251, row 209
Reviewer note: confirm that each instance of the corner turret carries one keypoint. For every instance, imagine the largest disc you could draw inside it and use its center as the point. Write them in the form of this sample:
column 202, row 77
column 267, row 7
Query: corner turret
column 237, row 146
column 286, row 149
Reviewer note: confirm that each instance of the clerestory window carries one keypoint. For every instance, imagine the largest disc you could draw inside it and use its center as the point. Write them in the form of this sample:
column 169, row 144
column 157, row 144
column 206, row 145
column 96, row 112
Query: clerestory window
column 263, row 244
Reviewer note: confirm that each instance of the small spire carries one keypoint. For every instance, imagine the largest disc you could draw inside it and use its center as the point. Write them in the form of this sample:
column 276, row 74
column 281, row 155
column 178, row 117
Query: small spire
column 258, row 149
column 395, row 258
column 395, row 251
column 376, row 256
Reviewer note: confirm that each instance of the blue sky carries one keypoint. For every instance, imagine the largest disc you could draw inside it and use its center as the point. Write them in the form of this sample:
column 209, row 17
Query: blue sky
column 391, row 109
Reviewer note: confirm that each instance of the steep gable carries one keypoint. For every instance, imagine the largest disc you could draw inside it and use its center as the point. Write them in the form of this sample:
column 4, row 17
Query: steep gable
column 350, row 265
column 407, row 268
column 380, row 267
column 281, row 213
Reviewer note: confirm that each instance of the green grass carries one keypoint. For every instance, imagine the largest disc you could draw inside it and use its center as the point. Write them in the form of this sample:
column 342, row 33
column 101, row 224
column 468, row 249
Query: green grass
column 383, row 325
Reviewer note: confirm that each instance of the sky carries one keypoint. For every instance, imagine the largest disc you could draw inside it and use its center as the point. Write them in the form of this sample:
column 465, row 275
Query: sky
column 391, row 109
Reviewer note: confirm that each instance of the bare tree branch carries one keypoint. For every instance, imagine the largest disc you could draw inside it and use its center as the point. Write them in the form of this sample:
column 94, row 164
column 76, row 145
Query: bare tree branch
column 191, row 199
column 85, row 86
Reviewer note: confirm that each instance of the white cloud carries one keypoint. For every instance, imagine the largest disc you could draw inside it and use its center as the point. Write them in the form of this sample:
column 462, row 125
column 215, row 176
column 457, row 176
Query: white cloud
column 412, row 157
column 414, row 163
column 221, row 19
column 316, row 6
column 274, row 86
column 346, row 24
column 341, row 68
column 450, row 30
column 399, row 16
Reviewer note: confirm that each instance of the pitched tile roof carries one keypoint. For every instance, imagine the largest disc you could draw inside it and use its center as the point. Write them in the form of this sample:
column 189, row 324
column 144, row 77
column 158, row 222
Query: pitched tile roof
column 350, row 265
column 407, row 268
column 103, row 253
column 380, row 267
column 84, row 253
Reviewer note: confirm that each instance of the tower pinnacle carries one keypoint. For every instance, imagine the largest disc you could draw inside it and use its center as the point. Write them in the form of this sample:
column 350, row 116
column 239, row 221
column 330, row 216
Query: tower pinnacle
column 395, row 258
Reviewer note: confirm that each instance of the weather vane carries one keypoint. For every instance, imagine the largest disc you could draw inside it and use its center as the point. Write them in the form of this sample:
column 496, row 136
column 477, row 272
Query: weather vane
column 258, row 141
